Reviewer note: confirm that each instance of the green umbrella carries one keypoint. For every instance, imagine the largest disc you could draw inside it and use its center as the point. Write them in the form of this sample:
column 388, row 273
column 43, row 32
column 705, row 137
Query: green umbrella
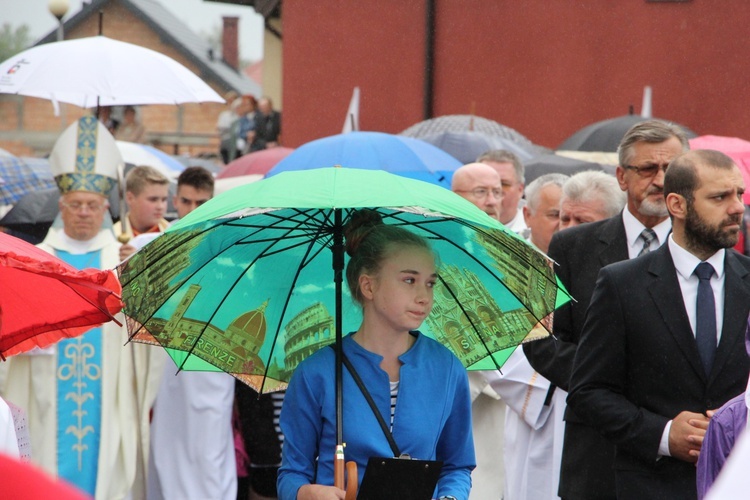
column 251, row 282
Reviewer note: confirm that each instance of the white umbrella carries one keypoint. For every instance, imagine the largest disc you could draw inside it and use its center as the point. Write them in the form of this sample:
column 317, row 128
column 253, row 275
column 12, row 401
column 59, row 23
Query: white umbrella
column 227, row 183
column 142, row 154
column 100, row 71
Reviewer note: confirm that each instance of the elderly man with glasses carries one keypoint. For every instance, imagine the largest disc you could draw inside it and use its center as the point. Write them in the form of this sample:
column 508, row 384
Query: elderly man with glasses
column 87, row 398
column 511, row 171
column 481, row 185
column 587, row 470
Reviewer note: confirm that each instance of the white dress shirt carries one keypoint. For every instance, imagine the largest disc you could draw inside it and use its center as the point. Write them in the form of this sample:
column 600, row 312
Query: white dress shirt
column 517, row 224
column 685, row 263
column 634, row 228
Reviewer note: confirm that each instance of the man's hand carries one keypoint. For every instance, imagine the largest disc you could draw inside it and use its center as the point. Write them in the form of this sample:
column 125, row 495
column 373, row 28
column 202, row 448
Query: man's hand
column 320, row 492
column 686, row 435
column 126, row 251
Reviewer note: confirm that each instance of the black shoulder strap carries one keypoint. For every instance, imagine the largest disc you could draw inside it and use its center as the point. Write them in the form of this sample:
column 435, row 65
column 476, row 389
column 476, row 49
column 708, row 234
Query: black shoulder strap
column 368, row 397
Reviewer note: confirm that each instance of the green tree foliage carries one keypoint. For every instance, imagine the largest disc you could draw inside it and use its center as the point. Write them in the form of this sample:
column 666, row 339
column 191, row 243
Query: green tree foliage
column 13, row 40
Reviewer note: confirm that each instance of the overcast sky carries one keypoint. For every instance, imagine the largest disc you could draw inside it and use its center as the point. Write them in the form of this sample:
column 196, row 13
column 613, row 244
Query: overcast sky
column 199, row 15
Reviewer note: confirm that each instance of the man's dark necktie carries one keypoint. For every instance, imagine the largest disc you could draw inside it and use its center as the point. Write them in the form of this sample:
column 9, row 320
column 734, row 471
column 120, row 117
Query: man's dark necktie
column 647, row 235
column 705, row 316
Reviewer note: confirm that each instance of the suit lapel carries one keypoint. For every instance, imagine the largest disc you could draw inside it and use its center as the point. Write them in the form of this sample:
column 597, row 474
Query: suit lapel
column 613, row 244
column 667, row 296
column 736, row 298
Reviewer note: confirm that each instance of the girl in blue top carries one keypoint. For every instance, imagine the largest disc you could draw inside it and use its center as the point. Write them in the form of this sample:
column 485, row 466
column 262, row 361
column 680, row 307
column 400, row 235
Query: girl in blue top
column 391, row 274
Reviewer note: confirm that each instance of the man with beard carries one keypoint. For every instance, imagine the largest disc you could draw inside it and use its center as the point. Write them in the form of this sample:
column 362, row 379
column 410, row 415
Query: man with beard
column 662, row 343
column 644, row 152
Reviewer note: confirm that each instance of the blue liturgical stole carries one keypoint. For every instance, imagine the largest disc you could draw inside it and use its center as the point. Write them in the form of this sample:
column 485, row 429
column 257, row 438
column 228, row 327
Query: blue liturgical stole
column 79, row 391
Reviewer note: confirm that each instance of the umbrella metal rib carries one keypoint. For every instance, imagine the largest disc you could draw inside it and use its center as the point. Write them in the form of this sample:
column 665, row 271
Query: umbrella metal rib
column 317, row 229
column 280, row 250
column 256, row 284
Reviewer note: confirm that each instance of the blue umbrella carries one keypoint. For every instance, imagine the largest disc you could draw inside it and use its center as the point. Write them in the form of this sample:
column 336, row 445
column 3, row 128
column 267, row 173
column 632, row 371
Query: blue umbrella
column 374, row 151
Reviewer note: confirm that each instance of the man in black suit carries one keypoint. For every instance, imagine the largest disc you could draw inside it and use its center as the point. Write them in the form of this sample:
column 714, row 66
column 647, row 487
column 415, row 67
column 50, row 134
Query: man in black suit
column 587, row 461
column 662, row 342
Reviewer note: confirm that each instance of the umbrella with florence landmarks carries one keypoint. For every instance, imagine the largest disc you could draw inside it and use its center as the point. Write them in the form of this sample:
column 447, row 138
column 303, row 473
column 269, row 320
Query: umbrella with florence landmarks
column 251, row 282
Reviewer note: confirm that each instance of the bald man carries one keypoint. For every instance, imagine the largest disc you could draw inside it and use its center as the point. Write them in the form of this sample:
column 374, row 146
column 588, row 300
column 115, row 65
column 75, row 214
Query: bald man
column 480, row 184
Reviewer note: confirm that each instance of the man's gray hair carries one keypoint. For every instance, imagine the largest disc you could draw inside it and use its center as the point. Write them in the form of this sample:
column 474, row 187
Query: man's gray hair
column 593, row 185
column 651, row 131
column 505, row 156
column 534, row 189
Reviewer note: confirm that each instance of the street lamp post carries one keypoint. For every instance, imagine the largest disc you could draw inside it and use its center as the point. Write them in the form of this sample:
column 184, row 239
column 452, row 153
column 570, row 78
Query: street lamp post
column 59, row 8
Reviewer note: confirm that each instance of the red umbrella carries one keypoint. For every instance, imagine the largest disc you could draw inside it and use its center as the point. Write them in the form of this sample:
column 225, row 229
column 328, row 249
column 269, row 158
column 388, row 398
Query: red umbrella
column 29, row 481
column 258, row 162
column 43, row 299
column 734, row 147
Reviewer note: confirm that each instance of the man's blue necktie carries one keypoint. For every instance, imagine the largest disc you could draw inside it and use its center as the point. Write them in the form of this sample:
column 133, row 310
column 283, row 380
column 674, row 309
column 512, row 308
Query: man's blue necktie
column 705, row 316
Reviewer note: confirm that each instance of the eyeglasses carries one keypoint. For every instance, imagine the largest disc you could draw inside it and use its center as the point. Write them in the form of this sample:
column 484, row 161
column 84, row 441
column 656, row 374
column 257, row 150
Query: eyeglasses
column 482, row 192
column 649, row 170
column 77, row 206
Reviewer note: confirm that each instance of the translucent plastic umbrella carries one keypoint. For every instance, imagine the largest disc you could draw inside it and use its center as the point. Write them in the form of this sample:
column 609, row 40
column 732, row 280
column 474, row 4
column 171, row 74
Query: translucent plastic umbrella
column 100, row 71
column 468, row 145
column 19, row 176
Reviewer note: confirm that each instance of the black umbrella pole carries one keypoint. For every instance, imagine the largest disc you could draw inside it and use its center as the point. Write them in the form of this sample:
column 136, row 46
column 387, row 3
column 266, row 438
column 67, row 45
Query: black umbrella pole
column 338, row 271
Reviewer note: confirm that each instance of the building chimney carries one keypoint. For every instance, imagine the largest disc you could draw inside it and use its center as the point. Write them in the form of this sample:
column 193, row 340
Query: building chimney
column 230, row 42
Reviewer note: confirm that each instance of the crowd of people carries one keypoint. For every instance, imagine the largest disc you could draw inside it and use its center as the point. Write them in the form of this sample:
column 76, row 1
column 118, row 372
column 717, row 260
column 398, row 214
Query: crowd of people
column 247, row 125
column 641, row 385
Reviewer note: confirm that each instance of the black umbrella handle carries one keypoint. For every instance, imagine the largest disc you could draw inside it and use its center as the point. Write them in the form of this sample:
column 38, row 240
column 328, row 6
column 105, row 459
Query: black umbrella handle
column 338, row 271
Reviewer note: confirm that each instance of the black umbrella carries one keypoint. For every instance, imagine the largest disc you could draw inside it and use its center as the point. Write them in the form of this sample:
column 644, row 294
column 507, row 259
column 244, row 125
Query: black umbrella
column 31, row 217
column 35, row 211
column 553, row 163
column 607, row 134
